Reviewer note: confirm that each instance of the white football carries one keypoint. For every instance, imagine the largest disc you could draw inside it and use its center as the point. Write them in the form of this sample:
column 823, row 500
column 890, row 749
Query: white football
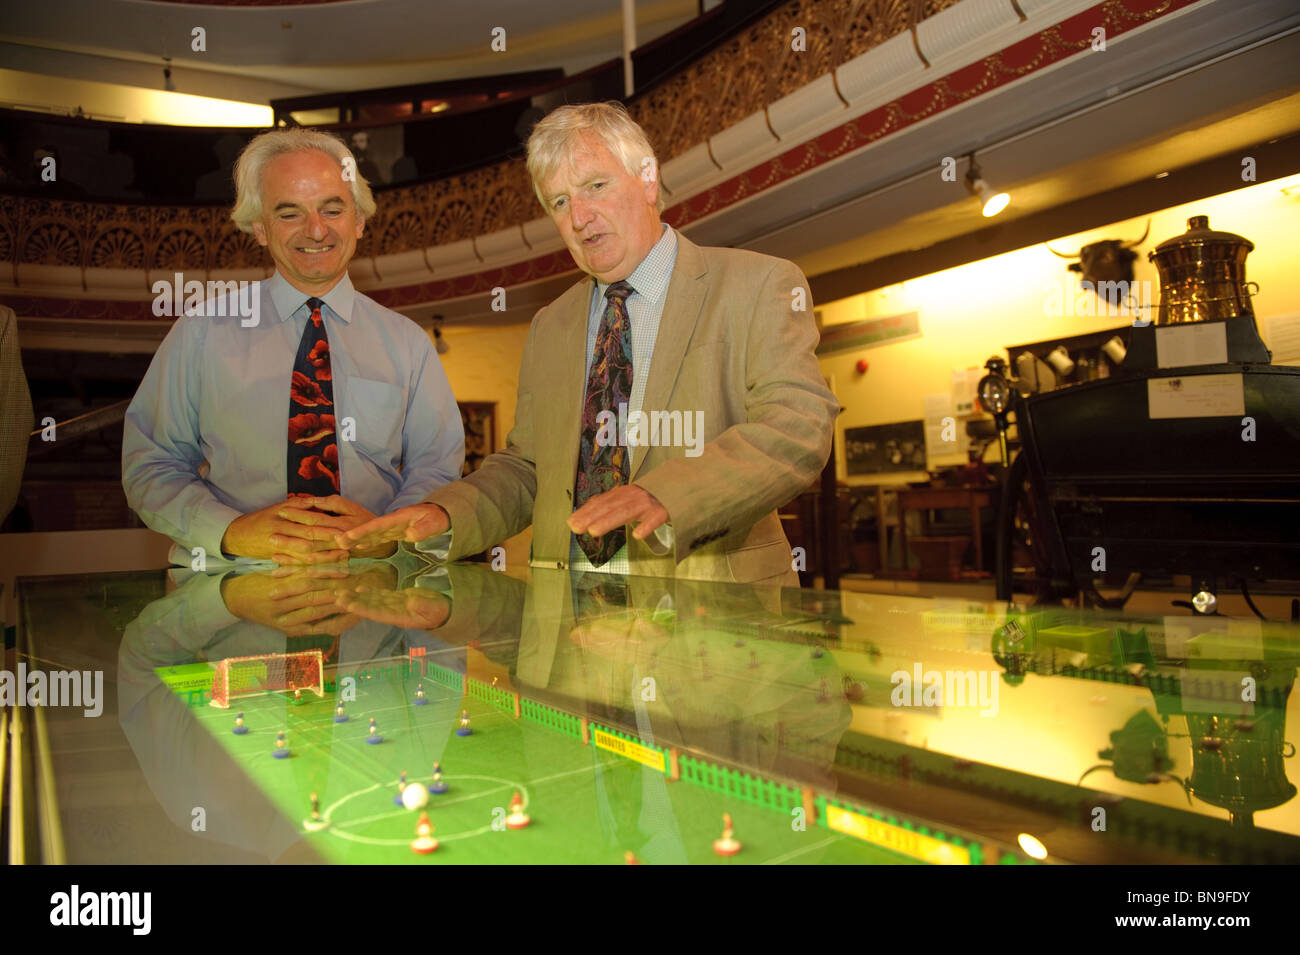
column 415, row 796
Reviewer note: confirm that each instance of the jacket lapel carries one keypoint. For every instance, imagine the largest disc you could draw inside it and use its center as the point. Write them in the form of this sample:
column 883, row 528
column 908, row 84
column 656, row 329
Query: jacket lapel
column 570, row 367
column 686, row 293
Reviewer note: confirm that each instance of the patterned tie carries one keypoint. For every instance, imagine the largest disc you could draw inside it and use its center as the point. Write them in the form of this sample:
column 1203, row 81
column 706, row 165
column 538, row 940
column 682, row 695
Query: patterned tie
column 604, row 465
column 313, row 466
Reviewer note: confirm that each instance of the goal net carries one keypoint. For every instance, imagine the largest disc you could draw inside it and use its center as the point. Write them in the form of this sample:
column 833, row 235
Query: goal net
column 237, row 677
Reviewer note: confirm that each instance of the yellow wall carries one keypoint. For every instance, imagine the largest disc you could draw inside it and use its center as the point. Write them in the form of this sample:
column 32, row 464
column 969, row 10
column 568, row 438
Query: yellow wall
column 129, row 104
column 483, row 365
column 976, row 310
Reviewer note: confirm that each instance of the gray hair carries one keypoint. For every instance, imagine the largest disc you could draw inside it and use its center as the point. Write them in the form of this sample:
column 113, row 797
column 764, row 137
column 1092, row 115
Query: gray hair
column 550, row 142
column 259, row 153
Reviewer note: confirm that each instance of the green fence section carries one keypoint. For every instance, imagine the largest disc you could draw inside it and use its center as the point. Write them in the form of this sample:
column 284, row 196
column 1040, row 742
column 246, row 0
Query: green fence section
column 730, row 782
column 545, row 716
column 494, row 695
column 445, row 677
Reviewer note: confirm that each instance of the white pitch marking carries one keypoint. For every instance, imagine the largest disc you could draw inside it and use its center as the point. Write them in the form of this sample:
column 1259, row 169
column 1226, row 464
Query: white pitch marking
column 375, row 841
column 798, row 852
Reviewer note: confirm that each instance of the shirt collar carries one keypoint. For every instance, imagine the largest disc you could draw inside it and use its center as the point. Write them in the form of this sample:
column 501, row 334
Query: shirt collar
column 650, row 279
column 288, row 300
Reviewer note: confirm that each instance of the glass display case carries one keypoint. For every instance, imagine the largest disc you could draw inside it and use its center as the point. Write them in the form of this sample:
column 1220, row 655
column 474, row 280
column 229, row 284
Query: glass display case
column 604, row 719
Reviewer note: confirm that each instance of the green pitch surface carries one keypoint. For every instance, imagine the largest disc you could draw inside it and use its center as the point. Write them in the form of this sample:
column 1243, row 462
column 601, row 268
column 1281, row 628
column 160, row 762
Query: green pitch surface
column 587, row 805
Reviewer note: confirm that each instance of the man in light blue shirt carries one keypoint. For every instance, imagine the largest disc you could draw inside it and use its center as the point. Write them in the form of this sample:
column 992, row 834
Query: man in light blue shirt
column 206, row 449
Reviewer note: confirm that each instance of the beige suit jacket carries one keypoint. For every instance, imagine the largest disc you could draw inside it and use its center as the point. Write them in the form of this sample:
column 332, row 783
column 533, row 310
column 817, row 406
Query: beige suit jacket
column 733, row 344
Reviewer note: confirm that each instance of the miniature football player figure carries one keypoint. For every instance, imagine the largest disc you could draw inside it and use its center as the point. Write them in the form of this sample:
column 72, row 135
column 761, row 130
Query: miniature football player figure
column 281, row 746
column 727, row 845
column 240, row 729
column 463, row 729
column 424, row 842
column 339, row 715
column 437, row 787
column 315, row 823
column 419, row 695
column 401, row 787
column 373, row 736
column 517, row 818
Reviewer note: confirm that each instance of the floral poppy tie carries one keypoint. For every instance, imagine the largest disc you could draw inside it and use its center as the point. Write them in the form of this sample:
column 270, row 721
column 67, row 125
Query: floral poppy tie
column 604, row 465
column 313, row 467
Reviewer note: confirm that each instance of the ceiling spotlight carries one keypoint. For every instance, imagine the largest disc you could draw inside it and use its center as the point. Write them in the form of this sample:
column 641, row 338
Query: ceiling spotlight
column 168, row 85
column 991, row 203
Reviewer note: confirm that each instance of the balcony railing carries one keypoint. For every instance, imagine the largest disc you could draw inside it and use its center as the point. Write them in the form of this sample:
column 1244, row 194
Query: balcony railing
column 62, row 226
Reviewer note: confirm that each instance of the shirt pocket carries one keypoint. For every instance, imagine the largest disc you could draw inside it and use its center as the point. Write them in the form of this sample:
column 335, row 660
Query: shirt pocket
column 378, row 409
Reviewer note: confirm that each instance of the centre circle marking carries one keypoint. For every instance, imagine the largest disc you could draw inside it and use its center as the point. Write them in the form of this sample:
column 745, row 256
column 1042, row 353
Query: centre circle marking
column 334, row 828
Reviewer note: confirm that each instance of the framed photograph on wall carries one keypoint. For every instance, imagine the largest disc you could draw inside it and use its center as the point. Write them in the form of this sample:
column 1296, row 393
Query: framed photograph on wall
column 479, row 419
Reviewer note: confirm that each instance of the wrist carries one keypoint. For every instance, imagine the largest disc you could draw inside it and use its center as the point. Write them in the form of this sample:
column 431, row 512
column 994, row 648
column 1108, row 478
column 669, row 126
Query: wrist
column 229, row 547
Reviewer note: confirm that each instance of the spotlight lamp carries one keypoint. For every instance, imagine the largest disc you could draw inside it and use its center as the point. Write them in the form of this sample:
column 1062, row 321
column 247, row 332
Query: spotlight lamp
column 990, row 201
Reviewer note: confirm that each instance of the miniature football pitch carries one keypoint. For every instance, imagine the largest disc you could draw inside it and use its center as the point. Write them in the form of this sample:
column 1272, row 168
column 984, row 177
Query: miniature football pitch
column 587, row 804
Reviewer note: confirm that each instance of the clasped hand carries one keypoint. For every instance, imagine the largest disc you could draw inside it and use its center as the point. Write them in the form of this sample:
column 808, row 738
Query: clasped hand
column 300, row 530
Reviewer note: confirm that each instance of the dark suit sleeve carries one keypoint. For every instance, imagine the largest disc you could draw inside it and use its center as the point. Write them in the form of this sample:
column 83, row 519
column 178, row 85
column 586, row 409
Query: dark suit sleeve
column 761, row 463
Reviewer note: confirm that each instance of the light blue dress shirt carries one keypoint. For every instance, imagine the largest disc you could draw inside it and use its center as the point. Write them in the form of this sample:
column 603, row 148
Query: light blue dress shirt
column 206, row 436
column 645, row 309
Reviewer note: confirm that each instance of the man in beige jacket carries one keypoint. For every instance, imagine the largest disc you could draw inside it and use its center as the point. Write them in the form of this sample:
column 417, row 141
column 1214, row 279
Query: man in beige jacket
column 668, row 403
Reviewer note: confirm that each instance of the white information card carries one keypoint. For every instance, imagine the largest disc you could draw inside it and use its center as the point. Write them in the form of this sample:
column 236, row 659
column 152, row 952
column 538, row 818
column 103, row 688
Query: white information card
column 1196, row 396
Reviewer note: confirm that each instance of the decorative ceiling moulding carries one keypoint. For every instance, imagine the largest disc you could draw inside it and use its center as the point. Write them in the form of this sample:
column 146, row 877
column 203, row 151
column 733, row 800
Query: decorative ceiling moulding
column 402, row 268
column 945, row 33
column 732, row 83
column 442, row 220
column 693, row 166
column 116, row 280
column 745, row 143
column 362, row 271
column 505, row 245
column 817, row 105
column 541, row 236
column 454, row 258
column 879, row 75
